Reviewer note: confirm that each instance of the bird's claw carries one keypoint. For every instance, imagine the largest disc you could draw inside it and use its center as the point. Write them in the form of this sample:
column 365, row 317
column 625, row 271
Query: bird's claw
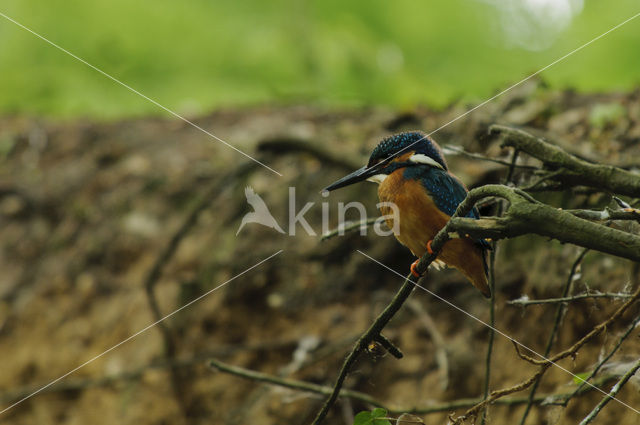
column 414, row 272
column 429, row 250
column 414, row 266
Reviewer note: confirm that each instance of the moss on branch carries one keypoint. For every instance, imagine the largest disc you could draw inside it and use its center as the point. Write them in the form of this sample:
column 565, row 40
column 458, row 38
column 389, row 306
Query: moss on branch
column 571, row 169
column 524, row 215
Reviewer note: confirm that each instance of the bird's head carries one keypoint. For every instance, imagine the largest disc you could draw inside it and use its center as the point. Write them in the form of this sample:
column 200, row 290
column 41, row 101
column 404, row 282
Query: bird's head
column 398, row 151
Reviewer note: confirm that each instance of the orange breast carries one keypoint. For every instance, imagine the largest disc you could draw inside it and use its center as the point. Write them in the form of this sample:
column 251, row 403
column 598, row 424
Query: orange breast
column 420, row 221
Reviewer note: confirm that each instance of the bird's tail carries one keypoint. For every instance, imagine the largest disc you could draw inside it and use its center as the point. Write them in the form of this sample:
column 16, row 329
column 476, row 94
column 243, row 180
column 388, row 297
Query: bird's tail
column 471, row 260
column 481, row 282
column 485, row 263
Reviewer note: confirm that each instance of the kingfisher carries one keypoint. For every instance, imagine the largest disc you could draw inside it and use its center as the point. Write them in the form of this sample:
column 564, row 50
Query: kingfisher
column 411, row 173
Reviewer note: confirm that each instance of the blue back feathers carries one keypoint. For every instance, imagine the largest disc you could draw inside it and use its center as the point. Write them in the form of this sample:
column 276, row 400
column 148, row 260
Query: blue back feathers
column 406, row 142
column 446, row 191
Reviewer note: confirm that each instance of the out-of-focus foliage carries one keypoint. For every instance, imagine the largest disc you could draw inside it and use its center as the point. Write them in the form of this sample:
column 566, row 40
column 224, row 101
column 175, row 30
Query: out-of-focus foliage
column 195, row 55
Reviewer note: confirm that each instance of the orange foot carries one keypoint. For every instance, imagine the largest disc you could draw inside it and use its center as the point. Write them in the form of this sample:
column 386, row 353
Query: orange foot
column 429, row 250
column 413, row 268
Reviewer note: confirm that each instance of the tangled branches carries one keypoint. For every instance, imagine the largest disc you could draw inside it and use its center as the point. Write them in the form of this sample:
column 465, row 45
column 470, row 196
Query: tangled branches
column 520, row 214
column 525, row 215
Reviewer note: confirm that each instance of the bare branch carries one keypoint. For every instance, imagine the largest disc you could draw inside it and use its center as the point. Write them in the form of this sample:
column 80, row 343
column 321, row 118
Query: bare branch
column 442, row 359
column 544, row 366
column 526, row 302
column 523, row 215
column 605, row 359
column 492, row 289
column 525, row 357
column 366, row 398
column 608, row 214
column 287, row 144
column 598, row 329
column 362, row 343
column 560, row 312
column 290, row 383
column 388, row 345
column 576, row 171
column 527, row 216
column 451, row 149
column 477, row 408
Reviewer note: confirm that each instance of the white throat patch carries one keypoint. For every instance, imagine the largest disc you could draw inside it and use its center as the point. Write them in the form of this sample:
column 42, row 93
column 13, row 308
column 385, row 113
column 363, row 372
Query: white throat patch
column 377, row 178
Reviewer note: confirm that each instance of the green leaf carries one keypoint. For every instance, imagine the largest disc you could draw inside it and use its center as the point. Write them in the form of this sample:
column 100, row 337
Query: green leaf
column 372, row 418
column 378, row 412
column 363, row 418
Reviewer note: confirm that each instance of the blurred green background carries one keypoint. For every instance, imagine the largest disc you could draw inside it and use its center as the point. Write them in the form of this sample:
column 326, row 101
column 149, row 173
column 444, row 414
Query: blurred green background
column 196, row 55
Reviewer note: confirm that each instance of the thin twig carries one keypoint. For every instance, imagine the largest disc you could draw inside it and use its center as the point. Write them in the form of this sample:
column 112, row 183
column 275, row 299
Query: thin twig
column 535, row 186
column 527, row 216
column 442, row 359
column 404, row 292
column 612, row 394
column 389, row 346
column 605, row 359
column 168, row 252
column 152, row 278
column 366, row 398
column 525, row 357
column 571, row 351
column 575, row 171
column 287, row 145
column 473, row 411
column 607, row 214
column 524, row 215
column 560, row 312
column 525, row 302
column 290, row 383
column 597, row 330
column 362, row 343
column 492, row 322
column 460, row 151
column 512, row 166
column 492, row 289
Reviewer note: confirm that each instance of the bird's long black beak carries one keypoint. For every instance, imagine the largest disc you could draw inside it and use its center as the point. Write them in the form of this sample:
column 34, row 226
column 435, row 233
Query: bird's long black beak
column 355, row 177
